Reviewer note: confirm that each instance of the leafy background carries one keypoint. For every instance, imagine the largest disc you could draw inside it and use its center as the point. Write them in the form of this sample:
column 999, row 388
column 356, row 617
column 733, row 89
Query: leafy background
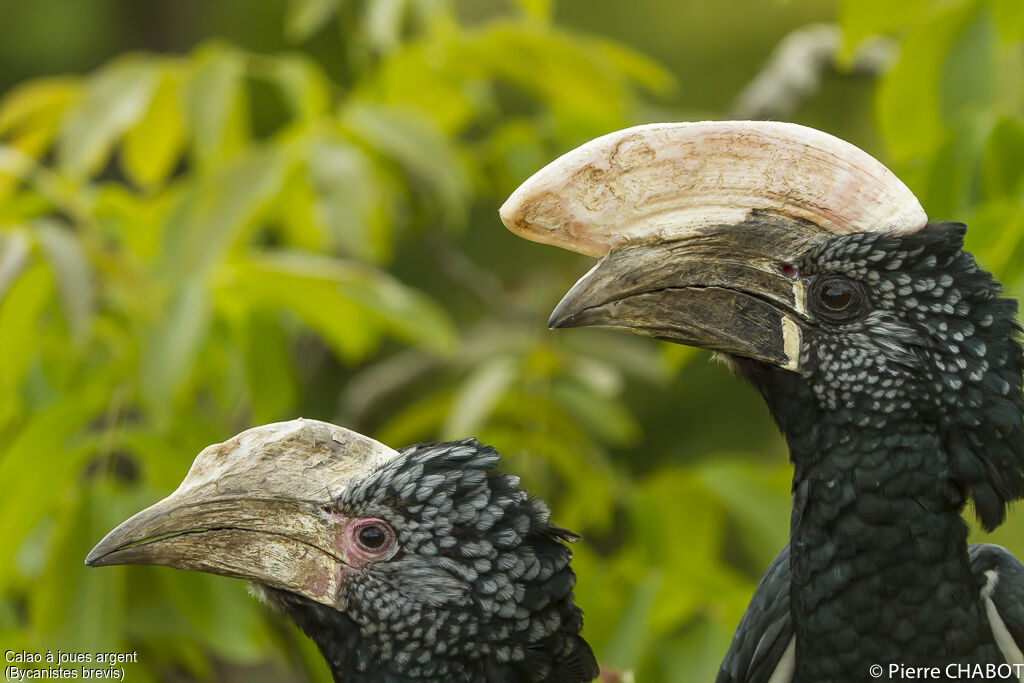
column 219, row 214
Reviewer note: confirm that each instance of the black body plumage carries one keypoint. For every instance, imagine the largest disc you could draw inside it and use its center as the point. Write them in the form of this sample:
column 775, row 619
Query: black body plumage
column 480, row 589
column 898, row 417
column 886, row 355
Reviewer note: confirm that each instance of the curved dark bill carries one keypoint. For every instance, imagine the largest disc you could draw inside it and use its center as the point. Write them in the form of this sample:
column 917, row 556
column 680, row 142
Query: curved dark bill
column 722, row 290
column 284, row 544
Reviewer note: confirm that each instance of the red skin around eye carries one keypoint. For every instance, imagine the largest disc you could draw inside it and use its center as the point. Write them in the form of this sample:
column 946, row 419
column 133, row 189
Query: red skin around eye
column 346, row 534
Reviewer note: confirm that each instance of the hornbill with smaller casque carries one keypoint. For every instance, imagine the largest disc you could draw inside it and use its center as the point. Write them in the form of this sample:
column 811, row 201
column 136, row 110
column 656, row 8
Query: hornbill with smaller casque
column 417, row 565
column 886, row 356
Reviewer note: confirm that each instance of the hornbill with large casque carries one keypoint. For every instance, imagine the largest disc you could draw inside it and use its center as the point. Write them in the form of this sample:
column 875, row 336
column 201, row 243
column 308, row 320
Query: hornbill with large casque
column 886, row 356
column 417, row 565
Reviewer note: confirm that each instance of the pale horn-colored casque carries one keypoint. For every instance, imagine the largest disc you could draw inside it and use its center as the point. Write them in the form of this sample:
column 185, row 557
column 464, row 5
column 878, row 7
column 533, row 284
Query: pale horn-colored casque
column 665, row 180
column 256, row 507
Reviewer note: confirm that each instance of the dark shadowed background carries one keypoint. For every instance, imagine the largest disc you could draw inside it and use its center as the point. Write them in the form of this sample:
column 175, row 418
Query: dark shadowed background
column 215, row 214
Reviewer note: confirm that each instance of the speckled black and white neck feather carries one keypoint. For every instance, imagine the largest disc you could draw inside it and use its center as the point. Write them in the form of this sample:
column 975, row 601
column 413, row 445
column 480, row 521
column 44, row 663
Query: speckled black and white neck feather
column 896, row 420
column 480, row 589
column 938, row 348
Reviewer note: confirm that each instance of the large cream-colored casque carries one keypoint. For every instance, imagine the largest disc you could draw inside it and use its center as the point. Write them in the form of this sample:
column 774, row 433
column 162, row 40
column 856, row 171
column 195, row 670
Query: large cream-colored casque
column 666, row 180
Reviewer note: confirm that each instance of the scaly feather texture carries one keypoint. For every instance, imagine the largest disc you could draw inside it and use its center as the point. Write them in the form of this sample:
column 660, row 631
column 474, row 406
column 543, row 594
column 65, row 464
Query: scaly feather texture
column 481, row 588
column 939, row 348
column 897, row 419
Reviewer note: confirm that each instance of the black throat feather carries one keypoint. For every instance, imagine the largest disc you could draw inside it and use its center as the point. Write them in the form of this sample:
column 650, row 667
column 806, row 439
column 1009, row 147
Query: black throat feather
column 481, row 588
column 895, row 421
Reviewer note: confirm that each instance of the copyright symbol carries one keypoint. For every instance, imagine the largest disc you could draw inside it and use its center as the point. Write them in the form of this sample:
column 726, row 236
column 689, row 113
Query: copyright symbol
column 875, row 670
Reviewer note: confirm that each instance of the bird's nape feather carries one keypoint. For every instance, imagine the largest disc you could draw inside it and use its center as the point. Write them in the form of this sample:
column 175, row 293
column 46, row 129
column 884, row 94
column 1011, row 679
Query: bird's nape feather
column 888, row 358
column 426, row 564
column 963, row 338
column 475, row 541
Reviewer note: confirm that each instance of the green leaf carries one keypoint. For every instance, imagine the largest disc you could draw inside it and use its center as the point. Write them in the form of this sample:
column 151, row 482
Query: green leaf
column 37, row 102
column 73, row 273
column 476, row 397
column 757, row 497
column 173, row 344
column 860, row 19
column 152, row 147
column 968, row 80
column 440, row 81
column 604, row 595
column 305, row 86
column 114, row 100
column 163, row 464
column 601, row 415
column 514, row 152
column 676, row 494
column 273, row 387
column 315, row 300
column 213, row 214
column 20, row 310
column 83, row 610
column 1009, row 19
column 294, row 213
column 913, row 85
column 30, row 116
column 18, row 158
column 215, row 104
column 303, row 18
column 627, row 646
column 383, row 24
column 1010, row 534
column 953, row 174
column 350, row 201
column 677, row 356
column 537, row 9
column 625, row 355
column 996, row 238
column 15, row 246
column 28, row 491
column 218, row 611
column 348, row 303
column 418, row 147
column 695, row 655
column 15, row 163
column 539, row 441
column 134, row 217
column 418, row 422
column 1002, row 172
column 635, row 66
column 406, row 312
column 585, row 92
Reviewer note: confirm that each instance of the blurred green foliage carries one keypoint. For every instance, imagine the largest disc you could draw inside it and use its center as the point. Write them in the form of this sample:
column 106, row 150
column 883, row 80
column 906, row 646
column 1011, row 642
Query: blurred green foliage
column 192, row 244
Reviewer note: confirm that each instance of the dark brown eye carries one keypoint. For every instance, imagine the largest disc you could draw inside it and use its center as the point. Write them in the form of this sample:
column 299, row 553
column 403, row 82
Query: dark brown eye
column 372, row 537
column 836, row 298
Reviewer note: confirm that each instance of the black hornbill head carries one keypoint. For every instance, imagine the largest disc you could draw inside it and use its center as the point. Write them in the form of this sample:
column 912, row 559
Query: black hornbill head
column 422, row 564
column 797, row 255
